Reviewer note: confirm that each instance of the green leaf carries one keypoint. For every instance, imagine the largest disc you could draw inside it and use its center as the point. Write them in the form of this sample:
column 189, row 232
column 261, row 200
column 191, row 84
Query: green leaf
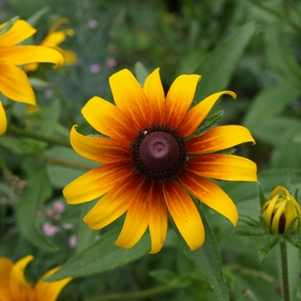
column 33, row 20
column 37, row 191
column 8, row 25
column 86, row 235
column 100, row 256
column 170, row 278
column 141, row 73
column 248, row 231
column 270, row 102
column 267, row 248
column 217, row 68
column 51, row 119
column 280, row 55
column 207, row 260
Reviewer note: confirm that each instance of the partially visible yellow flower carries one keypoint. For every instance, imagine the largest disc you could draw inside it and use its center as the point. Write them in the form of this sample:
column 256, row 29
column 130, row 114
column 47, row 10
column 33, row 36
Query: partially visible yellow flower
column 14, row 83
column 280, row 210
column 3, row 121
column 53, row 39
column 14, row 287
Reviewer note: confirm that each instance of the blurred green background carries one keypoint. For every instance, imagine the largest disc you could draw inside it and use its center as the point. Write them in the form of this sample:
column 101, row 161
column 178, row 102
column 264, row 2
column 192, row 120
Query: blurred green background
column 184, row 36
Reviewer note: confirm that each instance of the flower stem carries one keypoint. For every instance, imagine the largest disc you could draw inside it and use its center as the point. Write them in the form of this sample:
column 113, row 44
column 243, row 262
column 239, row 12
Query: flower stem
column 137, row 295
column 285, row 282
column 36, row 136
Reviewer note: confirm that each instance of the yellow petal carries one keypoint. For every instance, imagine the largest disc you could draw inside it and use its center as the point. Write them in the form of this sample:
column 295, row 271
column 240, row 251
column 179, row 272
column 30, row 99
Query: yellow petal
column 179, row 98
column 96, row 182
column 15, row 85
column 108, row 119
column 18, row 285
column 6, row 266
column 195, row 116
column 103, row 150
column 3, row 121
column 219, row 138
column 70, row 57
column 210, row 194
column 137, row 218
column 157, row 217
column 53, row 39
column 129, row 97
column 49, row 290
column 19, row 32
column 154, row 92
column 115, row 203
column 21, row 55
column 224, row 167
column 184, row 213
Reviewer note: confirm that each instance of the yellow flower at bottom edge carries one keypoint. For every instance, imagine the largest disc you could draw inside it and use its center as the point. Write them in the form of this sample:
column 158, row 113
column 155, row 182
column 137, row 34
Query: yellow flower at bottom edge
column 53, row 39
column 14, row 287
column 280, row 210
column 3, row 121
column 151, row 163
column 14, row 83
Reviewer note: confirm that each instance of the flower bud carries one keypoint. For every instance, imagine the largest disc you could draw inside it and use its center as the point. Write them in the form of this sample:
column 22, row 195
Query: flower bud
column 280, row 210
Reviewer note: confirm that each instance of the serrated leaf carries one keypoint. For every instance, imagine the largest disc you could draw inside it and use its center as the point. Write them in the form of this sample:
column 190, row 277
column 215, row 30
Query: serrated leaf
column 100, row 256
column 217, row 68
column 207, row 260
column 141, row 73
column 37, row 191
column 8, row 25
column 267, row 248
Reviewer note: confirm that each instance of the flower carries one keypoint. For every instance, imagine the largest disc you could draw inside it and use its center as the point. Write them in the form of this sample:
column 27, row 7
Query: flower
column 14, row 83
column 14, row 287
column 280, row 210
column 151, row 163
column 53, row 39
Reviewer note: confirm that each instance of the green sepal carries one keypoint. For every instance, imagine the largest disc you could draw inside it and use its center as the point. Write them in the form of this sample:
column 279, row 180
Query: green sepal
column 247, row 231
column 9, row 24
column 290, row 228
column 296, row 243
column 264, row 225
column 296, row 195
column 209, row 122
column 262, row 198
column 249, row 220
column 267, row 248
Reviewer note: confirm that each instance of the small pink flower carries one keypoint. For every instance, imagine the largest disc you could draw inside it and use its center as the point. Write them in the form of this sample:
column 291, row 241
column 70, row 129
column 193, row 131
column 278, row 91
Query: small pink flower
column 73, row 241
column 49, row 229
column 95, row 68
column 92, row 23
column 59, row 207
column 49, row 212
column 111, row 63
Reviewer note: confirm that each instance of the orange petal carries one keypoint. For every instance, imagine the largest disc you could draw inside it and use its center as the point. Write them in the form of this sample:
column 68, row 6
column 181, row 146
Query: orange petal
column 21, row 55
column 15, row 85
column 49, row 289
column 154, row 92
column 219, row 138
column 103, row 150
column 195, row 116
column 224, row 167
column 129, row 97
column 184, row 213
column 108, row 119
column 137, row 218
column 6, row 266
column 3, row 121
column 157, row 217
column 115, row 203
column 96, row 182
column 19, row 32
column 179, row 98
column 210, row 194
column 18, row 285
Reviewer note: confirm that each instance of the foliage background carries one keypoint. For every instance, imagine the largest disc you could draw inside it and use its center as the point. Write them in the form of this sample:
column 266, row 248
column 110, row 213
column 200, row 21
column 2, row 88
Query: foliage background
column 261, row 64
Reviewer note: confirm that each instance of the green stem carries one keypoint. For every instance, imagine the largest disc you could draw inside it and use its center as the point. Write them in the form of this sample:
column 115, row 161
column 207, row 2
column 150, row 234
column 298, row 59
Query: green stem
column 37, row 136
column 285, row 5
column 137, row 295
column 285, row 282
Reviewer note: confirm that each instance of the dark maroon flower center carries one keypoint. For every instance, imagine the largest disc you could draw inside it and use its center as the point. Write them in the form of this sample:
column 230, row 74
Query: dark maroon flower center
column 159, row 153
